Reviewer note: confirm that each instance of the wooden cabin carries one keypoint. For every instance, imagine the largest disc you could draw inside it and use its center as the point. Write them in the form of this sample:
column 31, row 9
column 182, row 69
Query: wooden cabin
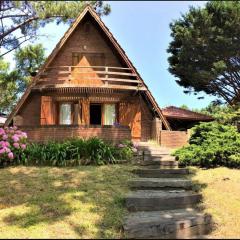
column 88, row 87
column 181, row 119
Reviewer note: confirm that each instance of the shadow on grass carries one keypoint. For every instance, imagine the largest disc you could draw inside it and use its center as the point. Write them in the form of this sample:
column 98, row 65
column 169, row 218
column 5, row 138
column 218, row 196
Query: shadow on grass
column 198, row 187
column 88, row 199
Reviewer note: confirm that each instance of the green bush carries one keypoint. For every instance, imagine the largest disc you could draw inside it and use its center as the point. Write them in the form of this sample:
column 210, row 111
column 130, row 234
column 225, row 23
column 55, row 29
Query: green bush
column 211, row 144
column 74, row 152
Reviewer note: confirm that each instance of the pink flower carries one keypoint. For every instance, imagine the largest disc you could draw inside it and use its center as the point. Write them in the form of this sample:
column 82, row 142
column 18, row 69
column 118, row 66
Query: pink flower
column 15, row 138
column 134, row 150
column 7, row 144
column 10, row 155
column 7, row 150
column 2, row 151
column 16, row 145
column 135, row 145
column 5, row 137
column 2, row 132
column 24, row 135
column 15, row 128
column 23, row 146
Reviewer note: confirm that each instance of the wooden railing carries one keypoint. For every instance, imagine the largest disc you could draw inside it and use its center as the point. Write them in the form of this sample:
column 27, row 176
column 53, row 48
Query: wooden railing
column 103, row 74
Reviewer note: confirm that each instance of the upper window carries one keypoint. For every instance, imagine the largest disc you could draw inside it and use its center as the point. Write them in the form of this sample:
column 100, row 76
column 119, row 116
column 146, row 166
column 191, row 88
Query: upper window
column 65, row 114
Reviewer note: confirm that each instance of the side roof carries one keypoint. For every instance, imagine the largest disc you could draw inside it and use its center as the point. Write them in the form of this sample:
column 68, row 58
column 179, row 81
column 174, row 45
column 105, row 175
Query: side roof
column 173, row 112
column 60, row 44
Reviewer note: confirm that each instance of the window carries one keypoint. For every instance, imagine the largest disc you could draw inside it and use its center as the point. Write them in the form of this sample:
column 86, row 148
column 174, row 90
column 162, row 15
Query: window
column 109, row 114
column 65, row 114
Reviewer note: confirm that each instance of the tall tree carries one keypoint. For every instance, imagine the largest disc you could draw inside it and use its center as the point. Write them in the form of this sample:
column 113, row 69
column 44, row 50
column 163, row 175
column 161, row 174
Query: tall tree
column 21, row 20
column 8, row 86
column 28, row 60
column 13, row 83
column 205, row 50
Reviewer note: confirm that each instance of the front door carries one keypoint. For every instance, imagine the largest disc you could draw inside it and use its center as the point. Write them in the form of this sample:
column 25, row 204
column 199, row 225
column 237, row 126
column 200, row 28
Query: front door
column 95, row 114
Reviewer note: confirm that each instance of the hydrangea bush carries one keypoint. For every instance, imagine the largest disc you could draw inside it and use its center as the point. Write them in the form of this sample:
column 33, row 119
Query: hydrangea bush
column 12, row 144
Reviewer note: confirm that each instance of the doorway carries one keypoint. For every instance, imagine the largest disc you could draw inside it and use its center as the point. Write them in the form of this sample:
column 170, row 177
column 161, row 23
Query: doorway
column 95, row 114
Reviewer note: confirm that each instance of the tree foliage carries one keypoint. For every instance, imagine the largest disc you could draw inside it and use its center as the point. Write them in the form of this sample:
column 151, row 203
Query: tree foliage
column 14, row 82
column 223, row 114
column 205, row 50
column 21, row 20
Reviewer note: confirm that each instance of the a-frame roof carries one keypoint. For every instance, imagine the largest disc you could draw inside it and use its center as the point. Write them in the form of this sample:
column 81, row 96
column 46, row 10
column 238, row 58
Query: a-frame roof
column 60, row 44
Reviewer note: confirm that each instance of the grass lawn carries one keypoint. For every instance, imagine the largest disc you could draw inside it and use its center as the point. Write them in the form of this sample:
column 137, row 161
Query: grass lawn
column 48, row 202
column 222, row 199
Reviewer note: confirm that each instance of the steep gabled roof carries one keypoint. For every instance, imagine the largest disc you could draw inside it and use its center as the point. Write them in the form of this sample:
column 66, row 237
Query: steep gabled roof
column 60, row 44
column 173, row 112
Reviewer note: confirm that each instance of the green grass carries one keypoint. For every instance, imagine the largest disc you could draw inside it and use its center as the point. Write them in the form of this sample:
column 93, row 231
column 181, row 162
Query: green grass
column 221, row 198
column 50, row 202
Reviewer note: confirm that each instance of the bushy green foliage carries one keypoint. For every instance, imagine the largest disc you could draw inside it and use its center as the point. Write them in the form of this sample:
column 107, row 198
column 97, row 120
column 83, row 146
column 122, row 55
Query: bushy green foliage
column 74, row 152
column 211, row 144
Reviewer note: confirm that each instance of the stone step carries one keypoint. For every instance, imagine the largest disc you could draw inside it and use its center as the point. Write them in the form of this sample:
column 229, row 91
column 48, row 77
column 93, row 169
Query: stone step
column 160, row 183
column 156, row 200
column 171, row 224
column 159, row 157
column 159, row 163
column 162, row 173
column 156, row 152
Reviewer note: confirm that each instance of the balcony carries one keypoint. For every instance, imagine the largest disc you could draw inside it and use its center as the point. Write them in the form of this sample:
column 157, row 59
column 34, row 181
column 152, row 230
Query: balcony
column 91, row 77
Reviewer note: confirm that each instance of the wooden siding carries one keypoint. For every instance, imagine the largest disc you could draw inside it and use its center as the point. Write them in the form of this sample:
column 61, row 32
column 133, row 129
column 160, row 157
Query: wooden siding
column 93, row 49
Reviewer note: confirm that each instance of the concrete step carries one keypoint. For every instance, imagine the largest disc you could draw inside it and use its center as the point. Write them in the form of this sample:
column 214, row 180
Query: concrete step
column 156, row 200
column 171, row 224
column 161, row 173
column 160, row 183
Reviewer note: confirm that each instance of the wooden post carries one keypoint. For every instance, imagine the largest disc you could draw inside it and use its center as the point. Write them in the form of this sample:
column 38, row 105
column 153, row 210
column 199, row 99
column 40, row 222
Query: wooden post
column 70, row 73
column 106, row 76
column 156, row 128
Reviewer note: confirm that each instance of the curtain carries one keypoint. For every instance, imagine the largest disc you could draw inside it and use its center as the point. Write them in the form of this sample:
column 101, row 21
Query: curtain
column 109, row 114
column 65, row 114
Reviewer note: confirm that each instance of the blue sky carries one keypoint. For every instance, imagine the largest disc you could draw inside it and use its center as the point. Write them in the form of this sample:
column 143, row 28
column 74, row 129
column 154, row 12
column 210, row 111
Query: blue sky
column 142, row 29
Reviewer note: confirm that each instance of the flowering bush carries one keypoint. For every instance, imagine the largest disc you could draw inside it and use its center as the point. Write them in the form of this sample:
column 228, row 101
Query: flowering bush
column 126, row 149
column 12, row 144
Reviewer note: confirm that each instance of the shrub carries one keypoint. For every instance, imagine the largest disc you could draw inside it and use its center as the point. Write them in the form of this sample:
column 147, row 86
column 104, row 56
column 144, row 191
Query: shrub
column 211, row 144
column 74, row 152
column 125, row 150
column 12, row 145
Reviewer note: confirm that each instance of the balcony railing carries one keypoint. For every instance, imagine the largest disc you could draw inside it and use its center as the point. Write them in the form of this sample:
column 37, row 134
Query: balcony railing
column 91, row 76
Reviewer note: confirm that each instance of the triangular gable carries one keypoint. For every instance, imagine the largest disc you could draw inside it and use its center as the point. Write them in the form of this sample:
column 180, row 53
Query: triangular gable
column 61, row 43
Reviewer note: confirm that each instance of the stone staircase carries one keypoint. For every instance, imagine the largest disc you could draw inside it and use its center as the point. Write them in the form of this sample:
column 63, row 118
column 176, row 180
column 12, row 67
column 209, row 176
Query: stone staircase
column 162, row 204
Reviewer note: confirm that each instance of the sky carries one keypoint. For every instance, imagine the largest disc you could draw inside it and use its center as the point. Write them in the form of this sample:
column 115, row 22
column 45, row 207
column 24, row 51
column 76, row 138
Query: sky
column 142, row 30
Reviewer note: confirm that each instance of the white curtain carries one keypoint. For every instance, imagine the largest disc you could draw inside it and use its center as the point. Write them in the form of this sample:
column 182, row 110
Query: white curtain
column 65, row 114
column 109, row 114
